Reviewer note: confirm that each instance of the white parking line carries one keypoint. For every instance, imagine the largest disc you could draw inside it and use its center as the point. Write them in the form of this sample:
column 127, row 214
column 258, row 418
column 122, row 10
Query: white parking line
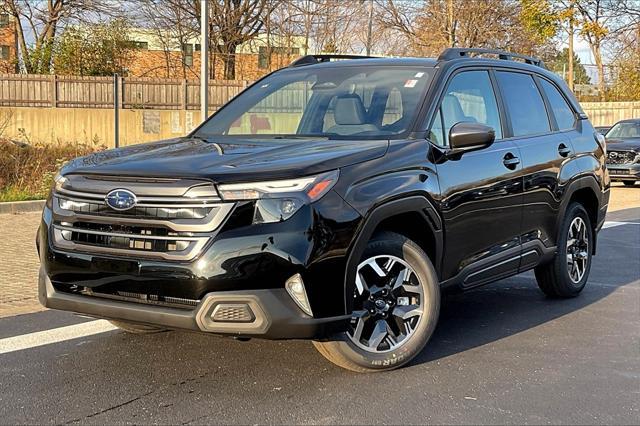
column 55, row 335
column 613, row 224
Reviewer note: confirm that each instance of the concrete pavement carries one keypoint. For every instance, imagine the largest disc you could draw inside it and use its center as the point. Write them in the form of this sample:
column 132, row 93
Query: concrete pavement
column 501, row 354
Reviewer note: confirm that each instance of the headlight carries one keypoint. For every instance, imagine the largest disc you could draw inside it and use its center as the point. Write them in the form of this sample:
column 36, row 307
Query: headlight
column 279, row 199
column 59, row 181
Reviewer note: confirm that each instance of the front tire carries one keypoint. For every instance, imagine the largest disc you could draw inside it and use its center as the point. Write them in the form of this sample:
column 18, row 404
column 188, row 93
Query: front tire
column 396, row 307
column 567, row 274
column 629, row 182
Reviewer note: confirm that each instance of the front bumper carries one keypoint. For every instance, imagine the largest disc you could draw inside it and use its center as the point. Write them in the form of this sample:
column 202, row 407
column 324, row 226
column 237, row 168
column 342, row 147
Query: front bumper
column 622, row 172
column 273, row 314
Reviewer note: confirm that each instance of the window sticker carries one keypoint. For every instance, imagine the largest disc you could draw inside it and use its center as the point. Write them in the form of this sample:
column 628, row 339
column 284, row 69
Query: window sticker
column 411, row 83
column 419, row 75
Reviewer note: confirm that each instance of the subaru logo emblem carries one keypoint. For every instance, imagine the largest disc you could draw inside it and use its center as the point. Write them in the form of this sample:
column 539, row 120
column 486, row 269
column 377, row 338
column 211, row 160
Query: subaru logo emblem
column 120, row 199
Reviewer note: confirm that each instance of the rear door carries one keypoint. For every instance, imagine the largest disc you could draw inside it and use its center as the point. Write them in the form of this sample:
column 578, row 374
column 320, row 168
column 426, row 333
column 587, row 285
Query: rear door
column 545, row 150
column 481, row 192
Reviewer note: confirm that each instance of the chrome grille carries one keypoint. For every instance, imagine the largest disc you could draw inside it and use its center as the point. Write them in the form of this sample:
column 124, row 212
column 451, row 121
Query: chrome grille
column 622, row 157
column 100, row 208
column 172, row 219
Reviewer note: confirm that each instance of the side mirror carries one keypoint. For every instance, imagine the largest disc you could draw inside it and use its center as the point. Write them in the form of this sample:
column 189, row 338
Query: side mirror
column 465, row 137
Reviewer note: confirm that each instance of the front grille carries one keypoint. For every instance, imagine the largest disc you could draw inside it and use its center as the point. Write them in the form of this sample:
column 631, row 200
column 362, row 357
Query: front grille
column 622, row 157
column 100, row 208
column 157, row 242
column 172, row 219
column 127, row 296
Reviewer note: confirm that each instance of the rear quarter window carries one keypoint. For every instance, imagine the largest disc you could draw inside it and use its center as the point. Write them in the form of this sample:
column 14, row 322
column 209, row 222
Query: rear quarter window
column 561, row 110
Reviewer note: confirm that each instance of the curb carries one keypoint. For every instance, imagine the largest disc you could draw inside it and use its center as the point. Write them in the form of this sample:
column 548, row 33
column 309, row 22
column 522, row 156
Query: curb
column 13, row 207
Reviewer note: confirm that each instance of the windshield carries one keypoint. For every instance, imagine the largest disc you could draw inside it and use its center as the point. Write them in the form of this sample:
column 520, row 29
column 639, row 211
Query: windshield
column 365, row 102
column 624, row 131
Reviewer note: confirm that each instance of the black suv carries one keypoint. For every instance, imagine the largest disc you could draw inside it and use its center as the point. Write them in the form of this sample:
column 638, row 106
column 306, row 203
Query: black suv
column 334, row 200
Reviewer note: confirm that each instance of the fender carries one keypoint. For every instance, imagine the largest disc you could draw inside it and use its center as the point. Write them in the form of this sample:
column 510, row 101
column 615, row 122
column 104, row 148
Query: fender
column 417, row 203
column 578, row 183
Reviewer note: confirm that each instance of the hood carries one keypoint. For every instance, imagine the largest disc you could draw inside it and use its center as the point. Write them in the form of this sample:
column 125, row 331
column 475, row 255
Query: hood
column 228, row 160
column 627, row 144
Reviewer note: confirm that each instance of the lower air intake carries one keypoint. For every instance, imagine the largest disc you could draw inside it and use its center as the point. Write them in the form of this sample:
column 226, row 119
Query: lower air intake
column 226, row 312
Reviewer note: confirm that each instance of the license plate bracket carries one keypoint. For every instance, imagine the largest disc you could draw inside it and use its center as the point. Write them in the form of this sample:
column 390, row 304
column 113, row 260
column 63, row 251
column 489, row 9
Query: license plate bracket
column 119, row 266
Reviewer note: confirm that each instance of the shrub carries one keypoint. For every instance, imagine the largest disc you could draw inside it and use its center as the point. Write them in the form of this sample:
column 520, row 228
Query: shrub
column 27, row 171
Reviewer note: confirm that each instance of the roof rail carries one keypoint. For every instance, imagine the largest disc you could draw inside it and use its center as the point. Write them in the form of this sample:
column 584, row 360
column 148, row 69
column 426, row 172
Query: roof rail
column 316, row 59
column 462, row 52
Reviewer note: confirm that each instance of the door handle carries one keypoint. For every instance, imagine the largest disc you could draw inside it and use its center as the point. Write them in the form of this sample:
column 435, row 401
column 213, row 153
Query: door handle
column 510, row 161
column 564, row 150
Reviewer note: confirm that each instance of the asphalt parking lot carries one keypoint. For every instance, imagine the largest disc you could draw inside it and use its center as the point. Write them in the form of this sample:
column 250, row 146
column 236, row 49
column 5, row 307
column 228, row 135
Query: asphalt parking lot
column 501, row 354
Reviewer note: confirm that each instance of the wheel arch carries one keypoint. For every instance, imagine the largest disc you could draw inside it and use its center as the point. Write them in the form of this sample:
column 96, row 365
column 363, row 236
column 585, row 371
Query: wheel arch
column 414, row 217
column 586, row 191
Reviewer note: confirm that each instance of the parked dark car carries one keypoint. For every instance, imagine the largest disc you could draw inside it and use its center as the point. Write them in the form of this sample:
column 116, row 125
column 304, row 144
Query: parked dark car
column 602, row 129
column 623, row 151
column 334, row 200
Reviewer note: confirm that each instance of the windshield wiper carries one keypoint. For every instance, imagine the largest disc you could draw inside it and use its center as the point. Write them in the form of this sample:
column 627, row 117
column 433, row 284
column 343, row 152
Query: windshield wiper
column 297, row 137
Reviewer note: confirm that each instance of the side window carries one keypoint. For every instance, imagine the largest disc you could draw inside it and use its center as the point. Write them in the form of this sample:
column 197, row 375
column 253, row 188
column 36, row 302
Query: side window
column 523, row 103
column 468, row 98
column 561, row 109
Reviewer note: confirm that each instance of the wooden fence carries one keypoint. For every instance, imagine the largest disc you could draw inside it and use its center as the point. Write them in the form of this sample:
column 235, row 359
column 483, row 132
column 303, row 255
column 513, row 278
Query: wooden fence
column 50, row 91
column 608, row 113
column 19, row 90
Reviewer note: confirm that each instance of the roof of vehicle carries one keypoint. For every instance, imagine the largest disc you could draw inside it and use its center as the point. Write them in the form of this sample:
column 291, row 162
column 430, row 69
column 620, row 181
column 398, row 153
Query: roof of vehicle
column 495, row 57
column 628, row 120
column 364, row 61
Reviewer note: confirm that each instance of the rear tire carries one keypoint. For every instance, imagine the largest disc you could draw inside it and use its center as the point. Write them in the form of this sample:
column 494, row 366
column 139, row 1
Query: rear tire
column 132, row 328
column 395, row 308
column 567, row 274
column 629, row 182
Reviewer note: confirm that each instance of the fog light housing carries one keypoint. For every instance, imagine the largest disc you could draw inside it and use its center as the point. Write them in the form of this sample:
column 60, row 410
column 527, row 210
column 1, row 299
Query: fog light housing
column 295, row 288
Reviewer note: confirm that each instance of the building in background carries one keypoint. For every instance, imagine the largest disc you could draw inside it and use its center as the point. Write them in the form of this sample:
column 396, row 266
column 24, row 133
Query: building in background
column 161, row 55
column 8, row 44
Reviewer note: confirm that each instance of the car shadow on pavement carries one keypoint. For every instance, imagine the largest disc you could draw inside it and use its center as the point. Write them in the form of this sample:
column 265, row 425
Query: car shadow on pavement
column 507, row 307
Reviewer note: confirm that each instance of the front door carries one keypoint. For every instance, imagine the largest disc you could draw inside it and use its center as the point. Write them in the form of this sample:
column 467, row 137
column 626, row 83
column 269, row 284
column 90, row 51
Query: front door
column 481, row 192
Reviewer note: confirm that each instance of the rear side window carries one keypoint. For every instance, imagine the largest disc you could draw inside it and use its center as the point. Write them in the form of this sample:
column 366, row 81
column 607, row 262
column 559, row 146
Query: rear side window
column 523, row 103
column 561, row 109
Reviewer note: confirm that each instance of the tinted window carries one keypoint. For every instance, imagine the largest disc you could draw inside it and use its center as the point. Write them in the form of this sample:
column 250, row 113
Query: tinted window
column 524, row 103
column 469, row 98
column 561, row 109
column 628, row 129
column 336, row 102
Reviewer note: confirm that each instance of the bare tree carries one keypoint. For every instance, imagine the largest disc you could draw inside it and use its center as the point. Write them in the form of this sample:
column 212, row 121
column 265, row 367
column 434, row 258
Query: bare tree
column 433, row 25
column 172, row 26
column 42, row 21
column 232, row 23
column 600, row 20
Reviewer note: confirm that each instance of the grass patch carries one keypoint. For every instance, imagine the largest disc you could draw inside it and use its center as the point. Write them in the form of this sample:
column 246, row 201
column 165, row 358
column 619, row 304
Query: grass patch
column 13, row 193
column 27, row 171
